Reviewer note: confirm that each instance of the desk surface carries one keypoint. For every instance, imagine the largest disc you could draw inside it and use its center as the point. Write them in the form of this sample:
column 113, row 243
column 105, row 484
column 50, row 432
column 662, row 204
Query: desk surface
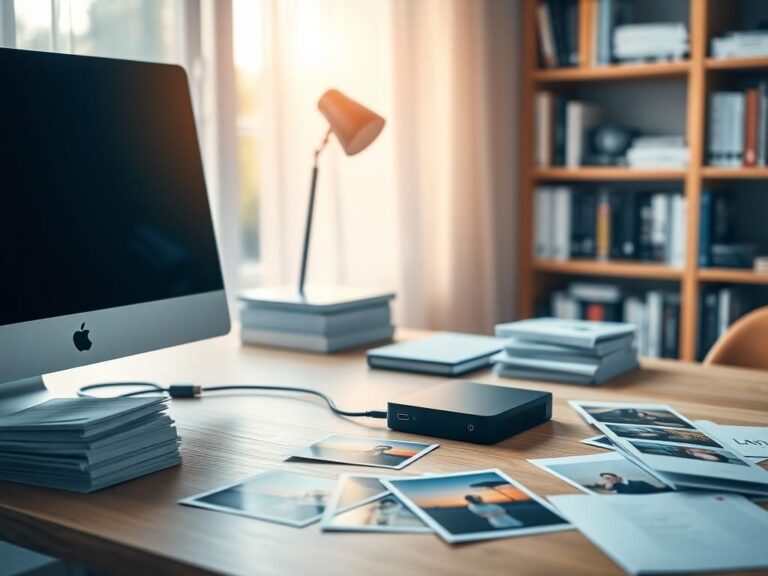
column 138, row 527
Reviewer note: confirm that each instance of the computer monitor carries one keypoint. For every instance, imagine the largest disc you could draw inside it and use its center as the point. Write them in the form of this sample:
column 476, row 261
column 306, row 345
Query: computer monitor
column 107, row 245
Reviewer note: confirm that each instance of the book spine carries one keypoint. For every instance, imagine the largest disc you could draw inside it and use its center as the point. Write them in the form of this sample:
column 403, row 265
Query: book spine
column 542, row 211
column 603, row 228
column 629, row 225
column 577, row 224
column 705, row 228
column 723, row 310
column 546, row 35
column 715, row 129
column 595, row 312
column 677, row 243
column 574, row 121
column 616, row 240
column 660, row 226
column 671, row 327
column 543, row 132
column 654, row 305
column 589, row 220
column 645, row 228
column 572, row 32
column 762, row 125
column 561, row 105
column 751, row 103
column 737, row 128
column 562, row 223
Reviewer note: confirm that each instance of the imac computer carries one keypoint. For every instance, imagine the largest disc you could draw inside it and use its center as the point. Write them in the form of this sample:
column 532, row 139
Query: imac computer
column 107, row 245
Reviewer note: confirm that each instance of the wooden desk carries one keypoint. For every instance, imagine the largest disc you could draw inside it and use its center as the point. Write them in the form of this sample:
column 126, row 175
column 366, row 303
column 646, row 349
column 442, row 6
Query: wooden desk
column 137, row 528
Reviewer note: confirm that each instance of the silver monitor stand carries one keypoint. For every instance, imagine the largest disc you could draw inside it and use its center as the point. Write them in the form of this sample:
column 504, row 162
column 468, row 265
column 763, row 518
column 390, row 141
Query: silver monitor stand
column 15, row 396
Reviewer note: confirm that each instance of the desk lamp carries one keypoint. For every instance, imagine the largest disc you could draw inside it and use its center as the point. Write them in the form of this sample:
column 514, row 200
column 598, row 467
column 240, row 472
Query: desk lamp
column 355, row 127
column 297, row 317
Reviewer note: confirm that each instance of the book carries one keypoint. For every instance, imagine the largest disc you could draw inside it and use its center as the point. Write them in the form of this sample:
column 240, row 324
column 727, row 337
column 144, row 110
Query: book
column 616, row 363
column 751, row 107
column 332, row 324
column 526, row 348
column 546, row 35
column 561, row 224
column 316, row 342
column 543, row 210
column 576, row 333
column 603, row 233
column 445, row 354
column 543, row 131
column 317, row 299
column 705, row 223
column 522, row 373
column 581, row 117
column 654, row 302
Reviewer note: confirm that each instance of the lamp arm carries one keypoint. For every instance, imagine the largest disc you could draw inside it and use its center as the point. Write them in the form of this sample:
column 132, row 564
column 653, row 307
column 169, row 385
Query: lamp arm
column 310, row 211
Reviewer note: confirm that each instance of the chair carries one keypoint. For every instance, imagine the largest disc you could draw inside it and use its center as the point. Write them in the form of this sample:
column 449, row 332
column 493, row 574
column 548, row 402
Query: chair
column 745, row 344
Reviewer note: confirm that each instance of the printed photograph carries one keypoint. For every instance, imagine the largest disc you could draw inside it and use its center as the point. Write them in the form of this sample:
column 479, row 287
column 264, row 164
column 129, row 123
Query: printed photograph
column 598, row 442
column 383, row 453
column 702, row 454
column 602, row 474
column 275, row 496
column 384, row 514
column 640, row 416
column 355, row 489
column 681, row 436
column 476, row 506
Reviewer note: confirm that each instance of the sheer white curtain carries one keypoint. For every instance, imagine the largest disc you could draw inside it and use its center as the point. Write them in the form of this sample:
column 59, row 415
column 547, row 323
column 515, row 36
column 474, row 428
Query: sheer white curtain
column 428, row 210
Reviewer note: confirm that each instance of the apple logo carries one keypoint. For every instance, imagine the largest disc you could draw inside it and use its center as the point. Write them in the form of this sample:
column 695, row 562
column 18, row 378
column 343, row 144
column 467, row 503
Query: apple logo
column 81, row 340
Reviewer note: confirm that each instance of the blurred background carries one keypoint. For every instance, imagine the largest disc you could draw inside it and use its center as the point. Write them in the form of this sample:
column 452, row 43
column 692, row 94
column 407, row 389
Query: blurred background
column 427, row 211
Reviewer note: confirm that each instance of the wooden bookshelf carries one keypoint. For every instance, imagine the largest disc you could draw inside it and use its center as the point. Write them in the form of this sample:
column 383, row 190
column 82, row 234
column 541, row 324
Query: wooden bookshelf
column 620, row 269
column 734, row 276
column 700, row 75
column 607, row 173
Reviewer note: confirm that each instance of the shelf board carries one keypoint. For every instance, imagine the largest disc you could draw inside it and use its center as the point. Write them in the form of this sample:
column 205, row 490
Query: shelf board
column 607, row 173
column 613, row 72
column 735, row 275
column 715, row 173
column 736, row 63
column 627, row 269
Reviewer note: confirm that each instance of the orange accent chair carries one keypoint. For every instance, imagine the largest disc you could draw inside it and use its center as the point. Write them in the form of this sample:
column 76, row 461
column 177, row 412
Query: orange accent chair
column 745, row 344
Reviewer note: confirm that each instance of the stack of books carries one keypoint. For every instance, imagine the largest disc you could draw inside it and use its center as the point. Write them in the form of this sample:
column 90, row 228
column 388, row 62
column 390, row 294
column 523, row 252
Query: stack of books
column 654, row 313
column 745, row 44
column 86, row 444
column 582, row 222
column 562, row 128
column 324, row 320
column 658, row 152
column 643, row 42
column 738, row 127
column 558, row 31
column 567, row 351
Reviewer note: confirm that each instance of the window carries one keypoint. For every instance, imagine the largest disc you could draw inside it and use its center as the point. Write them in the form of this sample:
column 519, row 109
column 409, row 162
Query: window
column 247, row 18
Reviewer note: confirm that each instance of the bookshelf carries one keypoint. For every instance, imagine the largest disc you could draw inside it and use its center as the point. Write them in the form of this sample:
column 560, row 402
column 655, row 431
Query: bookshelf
column 700, row 75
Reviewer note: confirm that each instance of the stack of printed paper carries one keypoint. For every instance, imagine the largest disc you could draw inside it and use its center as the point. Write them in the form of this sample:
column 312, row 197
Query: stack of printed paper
column 570, row 351
column 86, row 444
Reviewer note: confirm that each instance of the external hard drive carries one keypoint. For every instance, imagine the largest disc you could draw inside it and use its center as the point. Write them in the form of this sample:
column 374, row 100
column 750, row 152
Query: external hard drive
column 470, row 411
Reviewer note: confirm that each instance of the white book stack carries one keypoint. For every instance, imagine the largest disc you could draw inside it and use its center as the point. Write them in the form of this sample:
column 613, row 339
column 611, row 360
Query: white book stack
column 86, row 444
column 642, row 42
column 658, row 152
column 748, row 44
column 324, row 320
column 566, row 351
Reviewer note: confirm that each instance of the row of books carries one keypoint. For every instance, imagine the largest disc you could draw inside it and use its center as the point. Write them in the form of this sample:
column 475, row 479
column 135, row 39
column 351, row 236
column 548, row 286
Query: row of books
column 558, row 28
column 655, row 313
column 562, row 127
column 719, row 244
column 607, row 224
column 718, row 309
column 744, row 44
column 738, row 127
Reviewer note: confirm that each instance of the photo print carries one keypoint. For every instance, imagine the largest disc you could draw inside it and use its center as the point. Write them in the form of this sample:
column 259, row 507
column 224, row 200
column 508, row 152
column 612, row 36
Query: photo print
column 639, row 414
column 602, row 474
column 678, row 435
column 275, row 496
column 360, row 451
column 478, row 505
column 690, row 452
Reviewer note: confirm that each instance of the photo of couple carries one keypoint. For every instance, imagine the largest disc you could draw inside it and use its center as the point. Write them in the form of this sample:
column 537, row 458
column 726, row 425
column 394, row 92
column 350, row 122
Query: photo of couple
column 629, row 415
column 664, row 435
column 476, row 505
column 692, row 453
column 602, row 474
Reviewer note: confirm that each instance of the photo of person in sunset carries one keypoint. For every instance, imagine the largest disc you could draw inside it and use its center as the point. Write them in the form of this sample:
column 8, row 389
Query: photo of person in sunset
column 476, row 505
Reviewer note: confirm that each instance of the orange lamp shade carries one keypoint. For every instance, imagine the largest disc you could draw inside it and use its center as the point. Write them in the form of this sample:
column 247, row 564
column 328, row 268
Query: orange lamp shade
column 354, row 125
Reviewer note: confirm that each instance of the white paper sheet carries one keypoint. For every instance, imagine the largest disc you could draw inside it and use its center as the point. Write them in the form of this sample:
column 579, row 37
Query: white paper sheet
column 672, row 532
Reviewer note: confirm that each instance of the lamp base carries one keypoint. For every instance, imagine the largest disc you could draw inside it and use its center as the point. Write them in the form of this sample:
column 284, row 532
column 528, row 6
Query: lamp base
column 323, row 319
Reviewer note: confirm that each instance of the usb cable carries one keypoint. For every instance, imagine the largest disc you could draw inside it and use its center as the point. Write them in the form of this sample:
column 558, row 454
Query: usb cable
column 195, row 391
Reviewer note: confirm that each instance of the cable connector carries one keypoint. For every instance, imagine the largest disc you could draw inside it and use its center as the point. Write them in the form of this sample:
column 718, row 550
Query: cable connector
column 376, row 414
column 184, row 390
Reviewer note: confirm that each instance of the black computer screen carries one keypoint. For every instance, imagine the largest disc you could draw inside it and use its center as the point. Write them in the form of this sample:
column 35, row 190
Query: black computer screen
column 102, row 196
